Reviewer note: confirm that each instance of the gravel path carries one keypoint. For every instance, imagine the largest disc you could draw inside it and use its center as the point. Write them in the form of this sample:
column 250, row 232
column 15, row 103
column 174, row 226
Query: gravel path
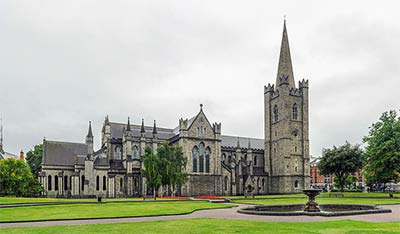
column 228, row 213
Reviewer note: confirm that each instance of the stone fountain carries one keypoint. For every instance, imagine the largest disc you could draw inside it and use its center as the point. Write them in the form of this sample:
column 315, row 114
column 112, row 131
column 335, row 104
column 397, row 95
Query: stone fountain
column 311, row 208
column 312, row 205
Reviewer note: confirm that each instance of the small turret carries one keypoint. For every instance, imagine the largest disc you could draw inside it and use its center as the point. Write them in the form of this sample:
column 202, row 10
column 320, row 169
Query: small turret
column 238, row 144
column 303, row 84
column 269, row 88
column 154, row 129
column 142, row 129
column 128, row 125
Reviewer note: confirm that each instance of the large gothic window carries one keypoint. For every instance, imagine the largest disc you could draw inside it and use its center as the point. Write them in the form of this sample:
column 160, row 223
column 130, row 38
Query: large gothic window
column 201, row 157
column 104, row 182
column 195, row 155
column 56, row 183
column 294, row 111
column 276, row 113
column 97, row 183
column 208, row 151
column 83, row 183
column 117, row 152
column 135, row 152
column 49, row 183
column 121, row 184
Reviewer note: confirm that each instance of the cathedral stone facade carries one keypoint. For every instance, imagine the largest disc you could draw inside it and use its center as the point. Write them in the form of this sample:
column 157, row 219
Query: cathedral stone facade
column 217, row 164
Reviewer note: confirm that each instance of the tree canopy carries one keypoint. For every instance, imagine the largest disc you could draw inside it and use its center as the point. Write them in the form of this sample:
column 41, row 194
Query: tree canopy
column 16, row 179
column 382, row 153
column 166, row 167
column 152, row 170
column 341, row 161
column 34, row 159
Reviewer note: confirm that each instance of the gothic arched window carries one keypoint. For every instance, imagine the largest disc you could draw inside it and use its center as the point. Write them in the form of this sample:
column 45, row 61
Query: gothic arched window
column 195, row 155
column 83, row 183
column 121, row 184
column 135, row 152
column 226, row 183
column 296, row 184
column 49, row 183
column 97, row 183
column 294, row 111
column 201, row 157
column 117, row 152
column 255, row 160
column 276, row 116
column 104, row 182
column 56, row 183
column 208, row 152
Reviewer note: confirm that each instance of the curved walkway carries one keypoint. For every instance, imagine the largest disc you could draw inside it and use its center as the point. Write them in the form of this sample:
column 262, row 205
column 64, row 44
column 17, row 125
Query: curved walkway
column 228, row 213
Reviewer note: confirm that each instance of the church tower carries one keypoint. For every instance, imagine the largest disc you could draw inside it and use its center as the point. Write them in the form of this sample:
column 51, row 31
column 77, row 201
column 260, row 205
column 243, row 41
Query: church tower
column 286, row 131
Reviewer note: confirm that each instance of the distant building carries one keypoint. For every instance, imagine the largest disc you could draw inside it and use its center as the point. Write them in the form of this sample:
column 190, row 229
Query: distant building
column 217, row 164
column 326, row 182
column 4, row 154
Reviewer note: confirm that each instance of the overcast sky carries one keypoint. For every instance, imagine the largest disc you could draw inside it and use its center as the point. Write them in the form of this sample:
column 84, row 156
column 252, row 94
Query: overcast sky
column 63, row 63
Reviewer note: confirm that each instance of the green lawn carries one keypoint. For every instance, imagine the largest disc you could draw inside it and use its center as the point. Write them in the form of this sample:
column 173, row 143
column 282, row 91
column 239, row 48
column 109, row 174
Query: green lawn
column 17, row 200
column 199, row 226
column 321, row 200
column 103, row 210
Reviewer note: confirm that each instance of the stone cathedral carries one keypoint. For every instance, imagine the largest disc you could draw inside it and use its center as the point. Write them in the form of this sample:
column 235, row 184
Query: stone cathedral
column 217, row 164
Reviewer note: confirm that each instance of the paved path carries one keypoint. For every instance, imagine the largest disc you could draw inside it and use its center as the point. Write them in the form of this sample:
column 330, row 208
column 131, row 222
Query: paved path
column 229, row 213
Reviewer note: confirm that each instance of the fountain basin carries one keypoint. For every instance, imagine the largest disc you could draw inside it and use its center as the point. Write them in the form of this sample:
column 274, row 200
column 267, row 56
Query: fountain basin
column 325, row 210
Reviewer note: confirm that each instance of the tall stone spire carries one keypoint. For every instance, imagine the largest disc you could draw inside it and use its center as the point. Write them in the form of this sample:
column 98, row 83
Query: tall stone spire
column 90, row 133
column 285, row 70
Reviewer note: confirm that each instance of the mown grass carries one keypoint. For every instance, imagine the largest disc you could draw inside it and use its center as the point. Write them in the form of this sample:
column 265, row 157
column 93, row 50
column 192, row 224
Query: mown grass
column 18, row 200
column 81, row 211
column 216, row 226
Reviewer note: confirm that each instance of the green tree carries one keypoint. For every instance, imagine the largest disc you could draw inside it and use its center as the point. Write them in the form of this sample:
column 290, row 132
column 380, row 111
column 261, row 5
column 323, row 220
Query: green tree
column 341, row 161
column 34, row 159
column 350, row 180
column 173, row 166
column 16, row 179
column 151, row 171
column 382, row 153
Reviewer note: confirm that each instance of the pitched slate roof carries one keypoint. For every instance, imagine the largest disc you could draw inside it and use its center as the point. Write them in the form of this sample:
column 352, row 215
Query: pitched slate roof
column 62, row 153
column 231, row 142
column 162, row 133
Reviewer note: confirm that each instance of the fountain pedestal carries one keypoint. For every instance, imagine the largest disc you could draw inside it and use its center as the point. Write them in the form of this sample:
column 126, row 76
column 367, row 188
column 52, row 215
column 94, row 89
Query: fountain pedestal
column 312, row 205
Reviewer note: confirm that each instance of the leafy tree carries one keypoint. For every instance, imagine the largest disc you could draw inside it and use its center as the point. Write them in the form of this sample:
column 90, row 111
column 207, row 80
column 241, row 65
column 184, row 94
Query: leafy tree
column 341, row 161
column 173, row 166
column 34, row 159
column 350, row 180
column 151, row 171
column 382, row 154
column 16, row 179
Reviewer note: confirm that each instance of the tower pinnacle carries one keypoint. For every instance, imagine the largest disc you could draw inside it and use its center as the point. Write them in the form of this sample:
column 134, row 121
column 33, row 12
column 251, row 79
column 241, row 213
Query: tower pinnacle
column 285, row 69
column 90, row 133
